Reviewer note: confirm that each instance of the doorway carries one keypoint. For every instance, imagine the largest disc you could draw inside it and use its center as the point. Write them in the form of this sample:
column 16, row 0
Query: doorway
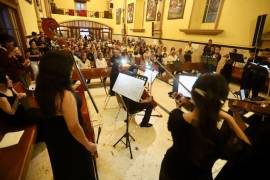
column 75, row 29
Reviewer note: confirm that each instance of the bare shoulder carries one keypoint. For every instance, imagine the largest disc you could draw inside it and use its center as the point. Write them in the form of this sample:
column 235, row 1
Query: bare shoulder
column 68, row 96
column 3, row 99
column 188, row 117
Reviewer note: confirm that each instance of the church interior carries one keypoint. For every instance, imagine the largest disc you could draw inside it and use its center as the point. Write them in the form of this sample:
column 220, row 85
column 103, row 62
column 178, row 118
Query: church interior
column 134, row 89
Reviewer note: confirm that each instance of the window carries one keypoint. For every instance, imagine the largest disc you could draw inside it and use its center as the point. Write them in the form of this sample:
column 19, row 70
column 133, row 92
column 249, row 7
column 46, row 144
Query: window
column 9, row 24
column 211, row 11
column 80, row 6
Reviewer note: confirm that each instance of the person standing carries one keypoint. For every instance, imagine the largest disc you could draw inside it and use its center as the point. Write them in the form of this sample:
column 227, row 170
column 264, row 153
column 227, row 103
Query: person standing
column 115, row 60
column 61, row 124
column 188, row 52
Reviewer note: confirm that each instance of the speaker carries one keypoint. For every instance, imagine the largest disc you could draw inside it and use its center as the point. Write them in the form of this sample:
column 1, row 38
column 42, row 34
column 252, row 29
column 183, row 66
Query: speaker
column 259, row 30
column 111, row 5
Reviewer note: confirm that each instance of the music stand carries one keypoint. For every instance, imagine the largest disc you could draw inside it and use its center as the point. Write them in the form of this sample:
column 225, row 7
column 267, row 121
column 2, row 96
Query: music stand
column 133, row 91
column 151, row 76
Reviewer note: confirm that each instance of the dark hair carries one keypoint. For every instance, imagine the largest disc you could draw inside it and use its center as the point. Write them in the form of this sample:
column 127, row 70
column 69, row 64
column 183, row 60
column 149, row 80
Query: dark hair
column 54, row 77
column 5, row 38
column 3, row 78
column 34, row 33
column 252, row 50
column 208, row 93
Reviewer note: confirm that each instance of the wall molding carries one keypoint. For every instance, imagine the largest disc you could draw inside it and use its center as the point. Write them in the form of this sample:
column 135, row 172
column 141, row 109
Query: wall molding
column 202, row 31
column 195, row 42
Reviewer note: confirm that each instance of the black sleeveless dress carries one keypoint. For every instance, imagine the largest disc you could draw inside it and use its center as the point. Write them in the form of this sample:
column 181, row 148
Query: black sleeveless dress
column 69, row 159
column 18, row 116
column 178, row 161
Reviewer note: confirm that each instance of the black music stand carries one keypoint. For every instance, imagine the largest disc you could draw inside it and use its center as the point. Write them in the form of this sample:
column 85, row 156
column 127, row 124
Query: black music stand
column 122, row 103
column 126, row 135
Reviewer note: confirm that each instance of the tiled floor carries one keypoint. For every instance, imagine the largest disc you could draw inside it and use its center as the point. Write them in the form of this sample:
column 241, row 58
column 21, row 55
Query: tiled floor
column 115, row 163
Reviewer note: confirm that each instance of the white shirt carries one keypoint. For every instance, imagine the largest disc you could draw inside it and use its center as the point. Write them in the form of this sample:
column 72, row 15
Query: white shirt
column 171, row 58
column 101, row 63
column 86, row 64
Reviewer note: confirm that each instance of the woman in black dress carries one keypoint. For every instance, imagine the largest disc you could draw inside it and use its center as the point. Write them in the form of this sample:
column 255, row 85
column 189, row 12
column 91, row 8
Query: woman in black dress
column 10, row 108
column 196, row 144
column 68, row 147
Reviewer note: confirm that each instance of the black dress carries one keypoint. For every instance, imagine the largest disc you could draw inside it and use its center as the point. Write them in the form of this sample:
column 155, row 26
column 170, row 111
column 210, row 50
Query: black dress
column 69, row 159
column 18, row 116
column 178, row 162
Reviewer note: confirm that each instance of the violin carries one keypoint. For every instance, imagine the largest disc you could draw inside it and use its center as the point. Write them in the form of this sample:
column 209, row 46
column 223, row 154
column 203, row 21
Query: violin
column 146, row 95
column 258, row 107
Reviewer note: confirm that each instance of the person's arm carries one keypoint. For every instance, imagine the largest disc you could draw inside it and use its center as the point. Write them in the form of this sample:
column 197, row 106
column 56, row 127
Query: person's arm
column 70, row 113
column 233, row 125
column 19, row 95
column 7, row 108
column 146, row 100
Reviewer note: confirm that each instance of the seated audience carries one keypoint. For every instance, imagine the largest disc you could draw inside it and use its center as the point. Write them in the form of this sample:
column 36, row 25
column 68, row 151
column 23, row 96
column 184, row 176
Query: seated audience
column 100, row 61
column 34, row 55
column 10, row 108
column 85, row 62
column 172, row 57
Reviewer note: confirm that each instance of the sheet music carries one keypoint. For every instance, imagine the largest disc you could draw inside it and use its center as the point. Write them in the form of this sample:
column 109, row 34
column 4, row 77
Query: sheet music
column 151, row 75
column 129, row 87
column 11, row 138
column 188, row 81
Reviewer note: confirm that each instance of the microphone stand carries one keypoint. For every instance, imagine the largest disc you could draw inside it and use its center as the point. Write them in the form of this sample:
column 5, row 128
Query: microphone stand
column 96, row 109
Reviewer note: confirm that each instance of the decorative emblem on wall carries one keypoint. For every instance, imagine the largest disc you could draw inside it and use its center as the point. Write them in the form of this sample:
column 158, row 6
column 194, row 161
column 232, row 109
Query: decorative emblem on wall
column 176, row 9
column 151, row 11
column 130, row 13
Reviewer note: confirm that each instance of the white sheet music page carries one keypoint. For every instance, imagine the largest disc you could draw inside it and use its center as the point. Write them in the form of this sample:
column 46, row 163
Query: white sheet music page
column 11, row 138
column 129, row 87
column 151, row 75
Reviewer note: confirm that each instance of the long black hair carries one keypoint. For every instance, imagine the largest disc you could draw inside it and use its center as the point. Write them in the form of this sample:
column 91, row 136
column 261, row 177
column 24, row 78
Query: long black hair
column 3, row 77
column 209, row 93
column 54, row 77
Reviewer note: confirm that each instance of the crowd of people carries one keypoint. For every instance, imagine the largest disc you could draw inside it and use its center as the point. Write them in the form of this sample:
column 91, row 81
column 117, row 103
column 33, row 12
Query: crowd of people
column 196, row 139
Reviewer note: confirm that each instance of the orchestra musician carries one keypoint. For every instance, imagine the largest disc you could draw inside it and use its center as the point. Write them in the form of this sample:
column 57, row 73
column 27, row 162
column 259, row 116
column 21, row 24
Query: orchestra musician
column 226, row 71
column 254, row 75
column 68, row 147
column 196, row 138
column 145, row 104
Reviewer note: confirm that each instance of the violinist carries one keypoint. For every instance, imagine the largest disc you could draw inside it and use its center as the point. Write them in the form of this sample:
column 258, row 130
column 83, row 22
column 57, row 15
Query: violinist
column 196, row 138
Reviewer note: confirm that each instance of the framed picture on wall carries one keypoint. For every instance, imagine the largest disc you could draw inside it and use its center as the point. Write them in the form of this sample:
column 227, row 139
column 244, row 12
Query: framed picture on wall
column 151, row 10
column 30, row 1
column 176, row 9
column 118, row 15
column 211, row 11
column 130, row 13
